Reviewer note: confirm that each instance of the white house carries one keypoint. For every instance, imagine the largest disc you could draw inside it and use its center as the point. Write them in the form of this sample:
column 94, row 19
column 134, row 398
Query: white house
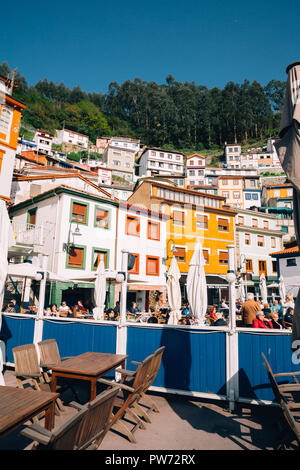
column 78, row 227
column 232, row 154
column 65, row 136
column 120, row 155
column 143, row 234
column 257, row 236
column 195, row 169
column 159, row 162
column 288, row 266
column 43, row 141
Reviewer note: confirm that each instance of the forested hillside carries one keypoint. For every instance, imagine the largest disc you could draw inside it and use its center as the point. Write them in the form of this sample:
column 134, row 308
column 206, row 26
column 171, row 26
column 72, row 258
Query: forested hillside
column 173, row 115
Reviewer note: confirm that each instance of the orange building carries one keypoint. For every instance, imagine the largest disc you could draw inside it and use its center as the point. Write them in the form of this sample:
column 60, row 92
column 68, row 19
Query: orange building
column 10, row 119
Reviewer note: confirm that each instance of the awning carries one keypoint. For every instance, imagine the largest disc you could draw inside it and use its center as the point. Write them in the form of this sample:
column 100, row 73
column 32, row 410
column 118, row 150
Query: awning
column 146, row 287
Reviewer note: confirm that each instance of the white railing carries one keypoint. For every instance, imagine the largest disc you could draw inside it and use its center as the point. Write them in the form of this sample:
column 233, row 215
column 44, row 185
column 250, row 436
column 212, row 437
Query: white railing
column 28, row 234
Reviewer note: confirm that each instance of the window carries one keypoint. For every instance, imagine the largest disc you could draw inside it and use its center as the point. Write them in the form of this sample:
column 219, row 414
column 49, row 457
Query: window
column 225, row 194
column 260, row 240
column 291, row 262
column 178, row 218
column 179, row 254
column 116, row 162
column 255, row 197
column 289, row 192
column 240, row 220
column 170, row 166
column 5, row 119
column 223, row 257
column 101, row 218
column 224, row 182
column 274, row 266
column 178, row 157
column 249, row 265
column 160, row 164
column 248, row 196
column 152, row 163
column 132, row 226
column 254, row 223
column 136, row 267
column 223, row 225
column 266, row 225
column 79, row 212
column 252, row 183
column 201, row 221
column 276, row 193
column 31, row 216
column 76, row 257
column 96, row 257
column 206, row 256
column 236, row 194
column 235, row 182
column 152, row 265
column 247, row 239
column 161, row 155
column 170, row 156
column 178, row 167
column 153, row 153
column 153, row 230
column 192, row 162
column 262, row 267
column 273, row 242
column 192, row 172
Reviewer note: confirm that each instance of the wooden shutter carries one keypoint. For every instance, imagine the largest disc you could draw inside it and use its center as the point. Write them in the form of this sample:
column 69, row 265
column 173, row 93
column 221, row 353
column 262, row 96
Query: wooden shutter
column 132, row 225
column 32, row 217
column 206, row 256
column 153, row 230
column 223, row 224
column 78, row 212
column 101, row 218
column 75, row 256
column 202, row 221
column 179, row 253
column 152, row 266
column 223, row 257
column 178, row 217
column 249, row 265
column 97, row 255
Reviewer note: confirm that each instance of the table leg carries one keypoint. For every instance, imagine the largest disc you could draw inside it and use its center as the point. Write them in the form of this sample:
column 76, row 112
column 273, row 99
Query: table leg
column 53, row 382
column 49, row 416
column 93, row 389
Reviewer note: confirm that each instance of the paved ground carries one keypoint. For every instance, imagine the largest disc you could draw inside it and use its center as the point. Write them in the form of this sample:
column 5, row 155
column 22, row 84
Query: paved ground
column 182, row 424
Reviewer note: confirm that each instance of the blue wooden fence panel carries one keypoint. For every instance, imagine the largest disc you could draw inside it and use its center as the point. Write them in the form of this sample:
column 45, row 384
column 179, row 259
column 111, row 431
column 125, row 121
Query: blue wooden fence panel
column 16, row 331
column 77, row 338
column 193, row 360
column 253, row 378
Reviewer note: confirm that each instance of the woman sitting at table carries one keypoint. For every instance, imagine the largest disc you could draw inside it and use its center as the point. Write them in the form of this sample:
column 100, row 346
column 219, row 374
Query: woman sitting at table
column 53, row 311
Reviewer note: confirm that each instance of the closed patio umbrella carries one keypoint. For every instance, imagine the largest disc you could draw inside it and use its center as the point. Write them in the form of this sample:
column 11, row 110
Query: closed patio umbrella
column 288, row 150
column 196, row 285
column 242, row 294
column 100, row 292
column 282, row 290
column 174, row 292
column 263, row 289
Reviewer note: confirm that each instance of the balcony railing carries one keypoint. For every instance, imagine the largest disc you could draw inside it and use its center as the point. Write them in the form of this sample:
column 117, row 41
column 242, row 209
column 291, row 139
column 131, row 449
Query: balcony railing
column 28, row 234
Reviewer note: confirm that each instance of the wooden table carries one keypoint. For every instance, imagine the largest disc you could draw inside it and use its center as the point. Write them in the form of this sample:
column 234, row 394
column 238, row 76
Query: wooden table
column 18, row 405
column 89, row 366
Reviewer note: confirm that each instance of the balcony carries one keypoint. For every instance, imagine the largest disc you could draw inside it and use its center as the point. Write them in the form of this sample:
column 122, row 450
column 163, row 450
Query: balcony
column 28, row 234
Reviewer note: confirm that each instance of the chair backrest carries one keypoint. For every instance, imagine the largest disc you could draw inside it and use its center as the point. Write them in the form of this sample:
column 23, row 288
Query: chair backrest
column 49, row 352
column 96, row 422
column 155, row 365
column 66, row 437
column 142, row 375
column 288, row 414
column 26, row 361
column 272, row 380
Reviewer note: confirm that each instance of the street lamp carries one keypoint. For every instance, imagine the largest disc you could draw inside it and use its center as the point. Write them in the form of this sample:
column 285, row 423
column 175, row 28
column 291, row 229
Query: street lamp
column 173, row 249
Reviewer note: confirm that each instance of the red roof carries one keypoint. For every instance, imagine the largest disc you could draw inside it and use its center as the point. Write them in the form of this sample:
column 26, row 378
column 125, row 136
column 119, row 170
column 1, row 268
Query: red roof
column 294, row 249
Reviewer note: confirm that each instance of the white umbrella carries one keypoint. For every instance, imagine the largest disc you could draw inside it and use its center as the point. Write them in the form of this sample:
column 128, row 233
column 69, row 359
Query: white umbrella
column 282, row 290
column 100, row 292
column 196, row 285
column 242, row 293
column 174, row 292
column 263, row 289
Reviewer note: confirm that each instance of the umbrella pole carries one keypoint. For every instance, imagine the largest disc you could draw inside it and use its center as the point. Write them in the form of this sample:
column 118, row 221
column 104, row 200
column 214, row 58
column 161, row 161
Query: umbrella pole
column 23, row 294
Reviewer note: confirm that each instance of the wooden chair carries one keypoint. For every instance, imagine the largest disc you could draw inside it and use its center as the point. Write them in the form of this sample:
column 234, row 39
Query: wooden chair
column 282, row 392
column 85, row 430
column 128, row 403
column 27, row 370
column 50, row 356
column 291, row 413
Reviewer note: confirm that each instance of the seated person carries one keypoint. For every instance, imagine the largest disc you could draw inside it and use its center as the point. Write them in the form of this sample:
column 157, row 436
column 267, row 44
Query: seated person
column 266, row 309
column 53, row 311
column 220, row 321
column 224, row 304
column 212, row 313
column 16, row 306
column 274, row 317
column 153, row 318
column 182, row 321
column 79, row 309
column 261, row 321
column 164, row 314
column 117, row 307
column 10, row 307
column 289, row 315
column 64, row 310
column 32, row 309
column 133, row 308
column 111, row 316
column 185, row 309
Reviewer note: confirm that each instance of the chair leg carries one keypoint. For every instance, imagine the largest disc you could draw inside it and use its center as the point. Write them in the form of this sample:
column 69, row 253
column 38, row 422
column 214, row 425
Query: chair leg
column 142, row 412
column 154, row 407
column 136, row 418
column 125, row 431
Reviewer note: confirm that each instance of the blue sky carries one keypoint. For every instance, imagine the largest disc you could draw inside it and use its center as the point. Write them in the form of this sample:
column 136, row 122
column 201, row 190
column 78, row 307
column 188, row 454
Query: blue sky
column 93, row 43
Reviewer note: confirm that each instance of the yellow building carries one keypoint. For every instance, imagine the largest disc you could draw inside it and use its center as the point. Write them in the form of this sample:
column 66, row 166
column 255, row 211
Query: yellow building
column 193, row 215
column 10, row 118
column 278, row 191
